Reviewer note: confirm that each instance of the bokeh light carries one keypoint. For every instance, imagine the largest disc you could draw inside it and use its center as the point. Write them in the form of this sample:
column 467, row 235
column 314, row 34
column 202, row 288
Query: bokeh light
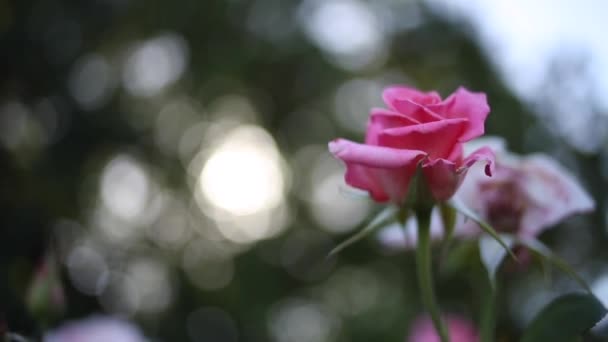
column 124, row 188
column 92, row 81
column 208, row 264
column 348, row 30
column 88, row 270
column 333, row 205
column 243, row 175
column 154, row 64
column 243, row 184
column 301, row 320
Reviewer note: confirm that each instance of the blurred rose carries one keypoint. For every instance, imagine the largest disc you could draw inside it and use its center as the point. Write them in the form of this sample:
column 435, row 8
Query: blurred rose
column 96, row 329
column 525, row 196
column 417, row 127
column 460, row 330
column 45, row 297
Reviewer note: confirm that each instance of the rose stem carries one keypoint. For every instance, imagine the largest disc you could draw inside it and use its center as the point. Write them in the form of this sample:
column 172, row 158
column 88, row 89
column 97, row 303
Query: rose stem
column 425, row 277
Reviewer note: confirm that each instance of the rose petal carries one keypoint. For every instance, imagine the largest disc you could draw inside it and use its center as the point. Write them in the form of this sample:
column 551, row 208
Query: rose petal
column 555, row 193
column 384, row 172
column 381, row 119
column 457, row 153
column 468, row 191
column 495, row 143
column 399, row 93
column 465, row 104
column 373, row 180
column 442, row 178
column 390, row 119
column 416, row 111
column 438, row 138
column 412, row 103
column 374, row 156
column 482, row 154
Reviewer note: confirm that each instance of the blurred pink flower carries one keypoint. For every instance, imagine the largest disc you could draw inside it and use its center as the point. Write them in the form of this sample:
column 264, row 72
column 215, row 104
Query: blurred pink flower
column 525, row 196
column 96, row 329
column 45, row 295
column 416, row 127
column 460, row 330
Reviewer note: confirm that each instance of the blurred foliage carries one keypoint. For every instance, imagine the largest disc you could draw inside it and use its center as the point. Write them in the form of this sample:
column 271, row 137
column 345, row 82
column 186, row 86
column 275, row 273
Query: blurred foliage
column 60, row 131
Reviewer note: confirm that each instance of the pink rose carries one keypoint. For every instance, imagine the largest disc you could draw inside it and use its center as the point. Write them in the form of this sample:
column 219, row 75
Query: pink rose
column 460, row 330
column 416, row 128
column 96, row 329
column 525, row 196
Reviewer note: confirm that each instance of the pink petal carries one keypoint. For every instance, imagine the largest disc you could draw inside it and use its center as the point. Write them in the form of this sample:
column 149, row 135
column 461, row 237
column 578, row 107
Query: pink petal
column 382, row 185
column 399, row 93
column 412, row 103
column 460, row 330
column 465, row 104
column 468, row 191
column 390, row 118
column 381, row 119
column 373, row 156
column 497, row 144
column 457, row 154
column 482, row 154
column 416, row 111
column 470, row 177
column 442, row 178
column 437, row 138
column 555, row 192
column 382, row 171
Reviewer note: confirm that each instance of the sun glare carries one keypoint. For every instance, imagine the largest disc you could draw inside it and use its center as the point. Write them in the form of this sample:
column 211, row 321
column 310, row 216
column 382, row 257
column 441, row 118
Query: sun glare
column 243, row 175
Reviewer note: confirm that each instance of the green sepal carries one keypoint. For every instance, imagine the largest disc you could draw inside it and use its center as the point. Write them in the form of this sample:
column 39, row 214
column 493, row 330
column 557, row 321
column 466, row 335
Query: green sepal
column 492, row 254
column 419, row 196
column 545, row 252
column 382, row 219
column 467, row 212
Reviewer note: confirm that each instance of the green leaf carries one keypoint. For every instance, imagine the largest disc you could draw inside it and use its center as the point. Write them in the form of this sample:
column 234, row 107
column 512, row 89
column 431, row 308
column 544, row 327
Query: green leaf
column 541, row 249
column 467, row 212
column 384, row 217
column 565, row 318
column 492, row 253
